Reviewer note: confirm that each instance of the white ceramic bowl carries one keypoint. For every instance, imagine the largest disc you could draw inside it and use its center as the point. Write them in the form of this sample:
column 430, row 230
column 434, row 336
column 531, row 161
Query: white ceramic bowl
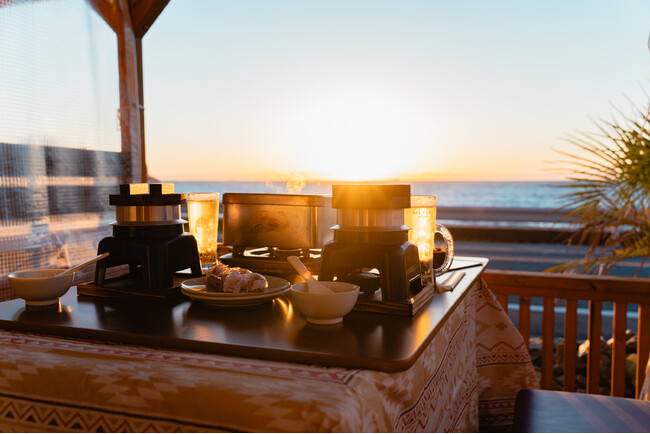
column 40, row 287
column 325, row 308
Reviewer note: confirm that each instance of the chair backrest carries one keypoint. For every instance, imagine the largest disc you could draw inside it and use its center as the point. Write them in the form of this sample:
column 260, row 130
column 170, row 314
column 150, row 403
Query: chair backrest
column 558, row 295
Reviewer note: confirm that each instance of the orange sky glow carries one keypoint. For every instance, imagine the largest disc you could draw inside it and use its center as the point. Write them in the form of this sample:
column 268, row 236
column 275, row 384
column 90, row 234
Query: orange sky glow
column 362, row 90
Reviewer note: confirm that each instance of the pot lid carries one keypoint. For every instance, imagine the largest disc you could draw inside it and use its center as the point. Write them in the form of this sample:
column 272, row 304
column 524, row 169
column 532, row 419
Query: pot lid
column 277, row 199
column 365, row 196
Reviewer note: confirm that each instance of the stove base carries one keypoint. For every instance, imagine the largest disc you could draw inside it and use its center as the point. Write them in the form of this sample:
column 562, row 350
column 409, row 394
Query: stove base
column 129, row 287
column 408, row 307
column 397, row 263
column 152, row 261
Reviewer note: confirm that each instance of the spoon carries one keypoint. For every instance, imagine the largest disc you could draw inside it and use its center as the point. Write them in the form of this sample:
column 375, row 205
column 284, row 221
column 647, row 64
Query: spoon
column 312, row 284
column 83, row 264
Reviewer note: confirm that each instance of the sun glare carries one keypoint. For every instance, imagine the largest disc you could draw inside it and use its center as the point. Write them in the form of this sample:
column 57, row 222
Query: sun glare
column 355, row 138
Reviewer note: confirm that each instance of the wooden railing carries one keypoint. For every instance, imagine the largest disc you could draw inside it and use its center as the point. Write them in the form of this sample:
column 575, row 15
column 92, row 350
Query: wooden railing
column 572, row 288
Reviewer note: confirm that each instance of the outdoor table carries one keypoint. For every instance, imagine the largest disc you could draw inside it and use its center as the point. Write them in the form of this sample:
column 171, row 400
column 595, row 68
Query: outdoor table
column 97, row 365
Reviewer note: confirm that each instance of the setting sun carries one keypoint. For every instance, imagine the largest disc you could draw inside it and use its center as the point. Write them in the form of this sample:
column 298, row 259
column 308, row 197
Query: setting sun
column 350, row 91
column 355, row 137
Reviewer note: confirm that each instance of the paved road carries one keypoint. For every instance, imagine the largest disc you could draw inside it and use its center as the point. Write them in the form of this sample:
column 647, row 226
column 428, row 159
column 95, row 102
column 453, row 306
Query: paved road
column 536, row 257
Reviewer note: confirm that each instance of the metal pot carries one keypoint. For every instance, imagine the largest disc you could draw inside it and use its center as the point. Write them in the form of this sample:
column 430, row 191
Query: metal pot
column 285, row 221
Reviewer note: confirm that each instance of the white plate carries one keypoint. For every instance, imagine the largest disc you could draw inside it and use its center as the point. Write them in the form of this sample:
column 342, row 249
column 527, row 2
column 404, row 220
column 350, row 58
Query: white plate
column 197, row 290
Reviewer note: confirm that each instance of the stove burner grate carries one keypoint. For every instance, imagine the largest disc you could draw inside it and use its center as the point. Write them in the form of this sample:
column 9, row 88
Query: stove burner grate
column 274, row 253
column 273, row 261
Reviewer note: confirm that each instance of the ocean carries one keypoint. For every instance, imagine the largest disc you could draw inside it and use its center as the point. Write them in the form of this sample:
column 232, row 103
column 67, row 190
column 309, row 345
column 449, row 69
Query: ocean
column 533, row 194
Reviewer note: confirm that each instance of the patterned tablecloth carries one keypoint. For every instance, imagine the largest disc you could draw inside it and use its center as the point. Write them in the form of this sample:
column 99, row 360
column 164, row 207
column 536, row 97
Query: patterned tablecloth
column 466, row 379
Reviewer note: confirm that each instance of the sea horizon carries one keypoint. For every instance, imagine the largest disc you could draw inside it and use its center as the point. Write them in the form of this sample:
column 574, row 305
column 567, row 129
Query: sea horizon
column 498, row 194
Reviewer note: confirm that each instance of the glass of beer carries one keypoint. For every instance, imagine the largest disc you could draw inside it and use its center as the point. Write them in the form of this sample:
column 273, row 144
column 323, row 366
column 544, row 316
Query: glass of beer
column 203, row 219
column 421, row 219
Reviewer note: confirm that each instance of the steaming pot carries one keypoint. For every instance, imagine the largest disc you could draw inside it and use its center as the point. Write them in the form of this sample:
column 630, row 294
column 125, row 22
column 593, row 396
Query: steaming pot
column 284, row 221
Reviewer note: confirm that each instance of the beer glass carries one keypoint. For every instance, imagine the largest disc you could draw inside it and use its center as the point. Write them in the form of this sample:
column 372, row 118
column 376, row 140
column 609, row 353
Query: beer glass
column 203, row 219
column 421, row 219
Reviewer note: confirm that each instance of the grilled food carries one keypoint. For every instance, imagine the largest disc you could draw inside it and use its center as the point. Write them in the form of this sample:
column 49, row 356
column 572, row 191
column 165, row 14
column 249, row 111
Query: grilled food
column 234, row 280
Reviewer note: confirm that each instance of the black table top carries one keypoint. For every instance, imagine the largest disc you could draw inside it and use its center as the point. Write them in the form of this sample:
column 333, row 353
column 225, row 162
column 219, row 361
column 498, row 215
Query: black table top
column 275, row 330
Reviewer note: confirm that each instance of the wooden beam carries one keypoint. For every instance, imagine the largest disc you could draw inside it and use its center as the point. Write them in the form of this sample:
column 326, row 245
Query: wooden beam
column 144, row 13
column 108, row 11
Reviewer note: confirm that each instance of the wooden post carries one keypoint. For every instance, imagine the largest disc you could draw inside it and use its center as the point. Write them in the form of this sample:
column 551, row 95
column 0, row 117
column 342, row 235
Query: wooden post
column 593, row 358
column 503, row 301
column 618, row 349
column 570, row 344
column 548, row 337
column 642, row 345
column 143, row 157
column 128, row 62
column 130, row 21
column 524, row 319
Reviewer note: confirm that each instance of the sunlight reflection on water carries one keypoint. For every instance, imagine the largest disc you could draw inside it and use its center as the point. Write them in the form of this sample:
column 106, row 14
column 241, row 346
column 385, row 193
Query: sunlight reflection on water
column 479, row 194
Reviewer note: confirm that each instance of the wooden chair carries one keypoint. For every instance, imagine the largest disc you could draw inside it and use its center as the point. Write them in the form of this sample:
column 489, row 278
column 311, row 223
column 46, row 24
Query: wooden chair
column 553, row 411
column 556, row 290
column 568, row 411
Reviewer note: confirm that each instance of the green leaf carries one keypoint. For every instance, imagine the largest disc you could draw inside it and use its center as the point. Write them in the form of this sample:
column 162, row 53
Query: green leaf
column 607, row 194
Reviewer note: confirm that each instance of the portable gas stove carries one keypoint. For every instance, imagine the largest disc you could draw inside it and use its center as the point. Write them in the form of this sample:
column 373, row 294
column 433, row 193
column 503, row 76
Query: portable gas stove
column 264, row 229
column 370, row 235
column 148, row 237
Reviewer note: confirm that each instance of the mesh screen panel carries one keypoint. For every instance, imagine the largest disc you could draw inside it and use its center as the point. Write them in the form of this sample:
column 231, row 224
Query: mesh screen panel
column 60, row 139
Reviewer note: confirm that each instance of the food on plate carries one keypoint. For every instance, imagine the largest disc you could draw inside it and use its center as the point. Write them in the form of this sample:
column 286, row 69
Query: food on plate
column 234, row 280
column 247, row 282
column 216, row 275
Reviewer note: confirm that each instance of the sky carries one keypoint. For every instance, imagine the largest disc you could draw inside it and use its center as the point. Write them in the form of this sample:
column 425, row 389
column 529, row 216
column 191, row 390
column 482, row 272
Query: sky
column 374, row 90
column 59, row 82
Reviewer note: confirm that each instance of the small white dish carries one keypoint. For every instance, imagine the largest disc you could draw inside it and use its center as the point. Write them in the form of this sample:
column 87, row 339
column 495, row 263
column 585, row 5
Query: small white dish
column 323, row 308
column 196, row 289
column 40, row 287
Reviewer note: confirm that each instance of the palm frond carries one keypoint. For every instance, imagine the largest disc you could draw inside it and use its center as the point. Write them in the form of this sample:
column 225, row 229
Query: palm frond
column 607, row 193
